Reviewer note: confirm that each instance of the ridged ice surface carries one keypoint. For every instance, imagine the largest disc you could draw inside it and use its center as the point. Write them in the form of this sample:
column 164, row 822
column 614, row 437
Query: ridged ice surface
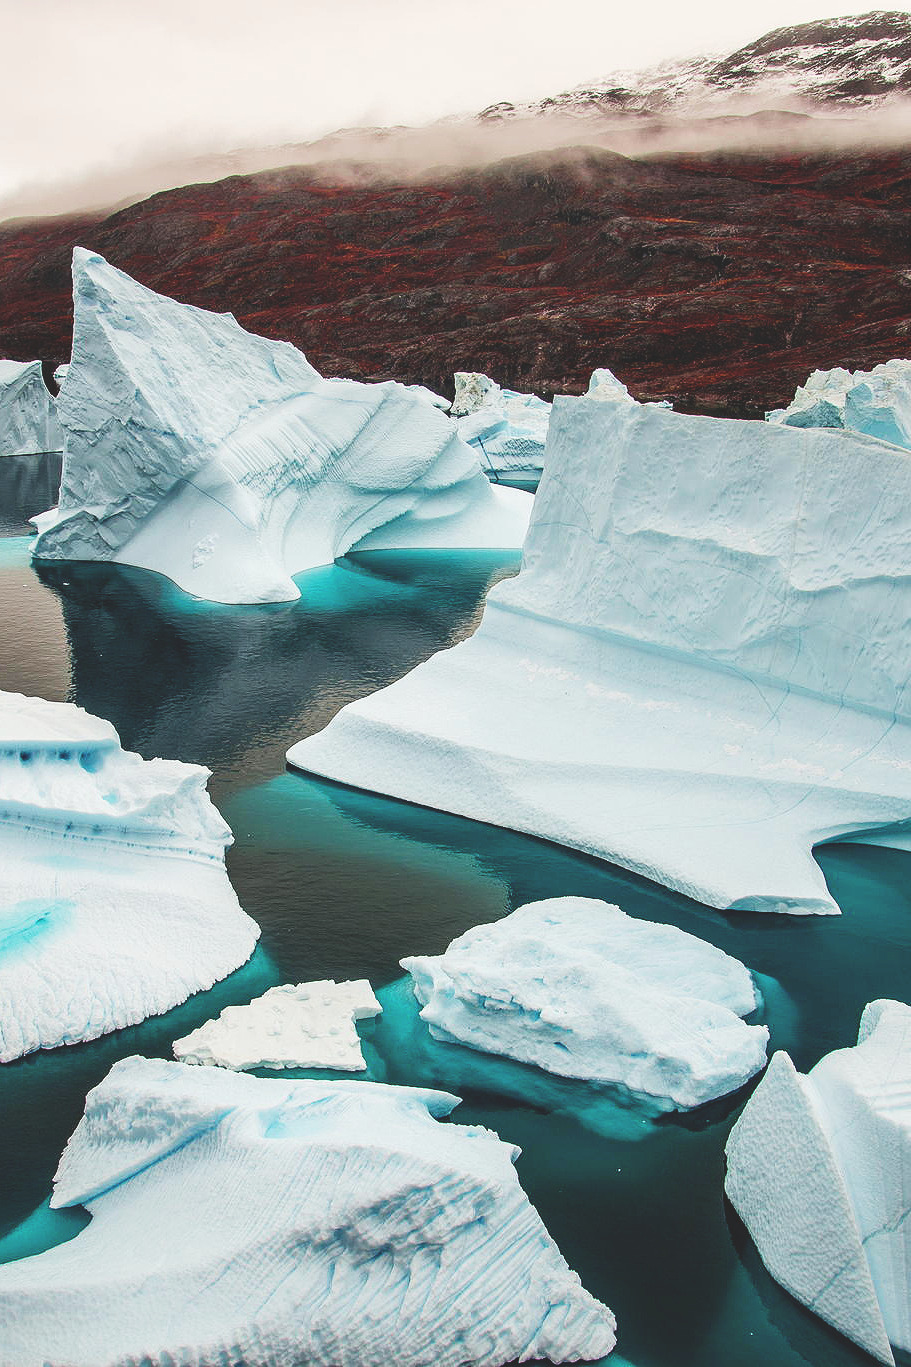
column 876, row 402
column 28, row 415
column 819, row 1170
column 576, row 986
column 297, row 1025
column 226, row 462
column 114, row 900
column 279, row 1223
column 700, row 672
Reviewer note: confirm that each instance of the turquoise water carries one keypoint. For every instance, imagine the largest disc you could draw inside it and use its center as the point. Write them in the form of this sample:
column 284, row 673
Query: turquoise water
column 346, row 884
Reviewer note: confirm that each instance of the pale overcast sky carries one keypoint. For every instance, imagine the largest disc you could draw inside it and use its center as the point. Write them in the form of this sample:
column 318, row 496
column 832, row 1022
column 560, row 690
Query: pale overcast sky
column 89, row 85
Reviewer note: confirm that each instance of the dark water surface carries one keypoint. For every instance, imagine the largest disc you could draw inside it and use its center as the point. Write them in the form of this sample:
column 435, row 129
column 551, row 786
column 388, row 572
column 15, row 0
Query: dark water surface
column 345, row 884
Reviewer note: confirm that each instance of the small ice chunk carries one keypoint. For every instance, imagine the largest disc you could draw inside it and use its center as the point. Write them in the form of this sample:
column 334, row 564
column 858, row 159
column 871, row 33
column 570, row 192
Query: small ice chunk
column 307, row 1025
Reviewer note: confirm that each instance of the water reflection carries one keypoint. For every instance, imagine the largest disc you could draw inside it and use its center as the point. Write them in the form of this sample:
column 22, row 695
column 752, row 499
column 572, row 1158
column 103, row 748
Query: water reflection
column 233, row 687
column 28, row 485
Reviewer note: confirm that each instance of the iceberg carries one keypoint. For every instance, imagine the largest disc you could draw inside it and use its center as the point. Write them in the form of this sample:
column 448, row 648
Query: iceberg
column 876, row 402
column 28, row 415
column 227, row 463
column 819, row 1170
column 277, row 1222
column 507, row 429
column 114, row 900
column 303, row 1025
column 577, row 987
column 699, row 673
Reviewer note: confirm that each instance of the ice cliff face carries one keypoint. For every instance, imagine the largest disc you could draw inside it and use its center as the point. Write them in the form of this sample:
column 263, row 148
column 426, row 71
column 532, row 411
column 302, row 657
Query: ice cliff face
column 273, row 1222
column 28, row 414
column 819, row 1170
column 876, row 402
column 699, row 673
column 114, row 900
column 583, row 990
column 225, row 461
column 297, row 1025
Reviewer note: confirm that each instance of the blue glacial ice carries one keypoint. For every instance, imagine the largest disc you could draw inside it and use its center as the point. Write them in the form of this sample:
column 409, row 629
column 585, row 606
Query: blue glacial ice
column 577, row 987
column 227, row 463
column 876, row 402
column 277, row 1222
column 699, row 673
column 28, row 415
column 114, row 900
column 819, row 1170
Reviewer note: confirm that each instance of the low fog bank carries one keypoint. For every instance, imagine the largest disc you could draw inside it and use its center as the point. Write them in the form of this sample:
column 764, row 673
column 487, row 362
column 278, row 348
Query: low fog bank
column 453, row 146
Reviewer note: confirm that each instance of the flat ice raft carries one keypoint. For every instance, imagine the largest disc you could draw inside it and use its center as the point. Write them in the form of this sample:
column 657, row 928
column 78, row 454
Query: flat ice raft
column 297, row 1025
column 280, row 1222
column 819, row 1170
column 226, row 462
column 583, row 990
column 114, row 900
column 700, row 672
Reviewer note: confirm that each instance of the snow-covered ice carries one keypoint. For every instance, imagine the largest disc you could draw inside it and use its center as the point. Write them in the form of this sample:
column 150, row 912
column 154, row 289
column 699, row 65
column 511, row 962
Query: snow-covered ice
column 302, row 1025
column 28, row 414
column 278, row 1222
column 699, row 673
column 876, row 402
column 819, row 1170
column 579, row 988
column 115, row 900
column 226, row 462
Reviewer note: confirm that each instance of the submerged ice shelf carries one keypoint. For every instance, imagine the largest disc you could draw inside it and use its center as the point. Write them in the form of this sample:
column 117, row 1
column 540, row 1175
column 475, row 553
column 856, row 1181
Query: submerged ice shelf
column 819, row 1170
column 226, row 462
column 276, row 1222
column 579, row 988
column 28, row 415
column 114, row 900
column 303, row 1025
column 699, row 673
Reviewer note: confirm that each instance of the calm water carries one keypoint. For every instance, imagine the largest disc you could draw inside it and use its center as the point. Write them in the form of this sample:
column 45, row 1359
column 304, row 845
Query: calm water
column 345, row 884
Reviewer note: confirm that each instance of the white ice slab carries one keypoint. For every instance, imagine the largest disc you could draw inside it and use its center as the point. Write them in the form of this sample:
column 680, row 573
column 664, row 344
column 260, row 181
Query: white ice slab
column 114, row 900
column 579, row 988
column 303, row 1025
column 277, row 1222
column 819, row 1169
column 700, row 672
column 876, row 402
column 226, row 462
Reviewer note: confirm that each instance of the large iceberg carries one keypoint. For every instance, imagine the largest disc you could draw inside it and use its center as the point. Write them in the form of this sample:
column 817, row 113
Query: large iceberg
column 700, row 672
column 114, row 900
column 28, row 414
column 297, row 1025
column 819, row 1170
column 579, row 988
column 877, row 402
column 226, row 462
column 276, row 1222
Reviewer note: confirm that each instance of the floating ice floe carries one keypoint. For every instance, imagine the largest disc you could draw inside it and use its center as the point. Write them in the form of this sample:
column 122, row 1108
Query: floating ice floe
column 28, row 414
column 277, row 1222
column 226, row 462
column 700, row 672
column 579, row 988
column 876, row 402
column 307, row 1025
column 819, row 1170
column 114, row 900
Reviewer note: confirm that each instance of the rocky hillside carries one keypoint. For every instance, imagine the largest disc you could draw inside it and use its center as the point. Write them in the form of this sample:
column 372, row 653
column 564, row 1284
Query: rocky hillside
column 718, row 281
